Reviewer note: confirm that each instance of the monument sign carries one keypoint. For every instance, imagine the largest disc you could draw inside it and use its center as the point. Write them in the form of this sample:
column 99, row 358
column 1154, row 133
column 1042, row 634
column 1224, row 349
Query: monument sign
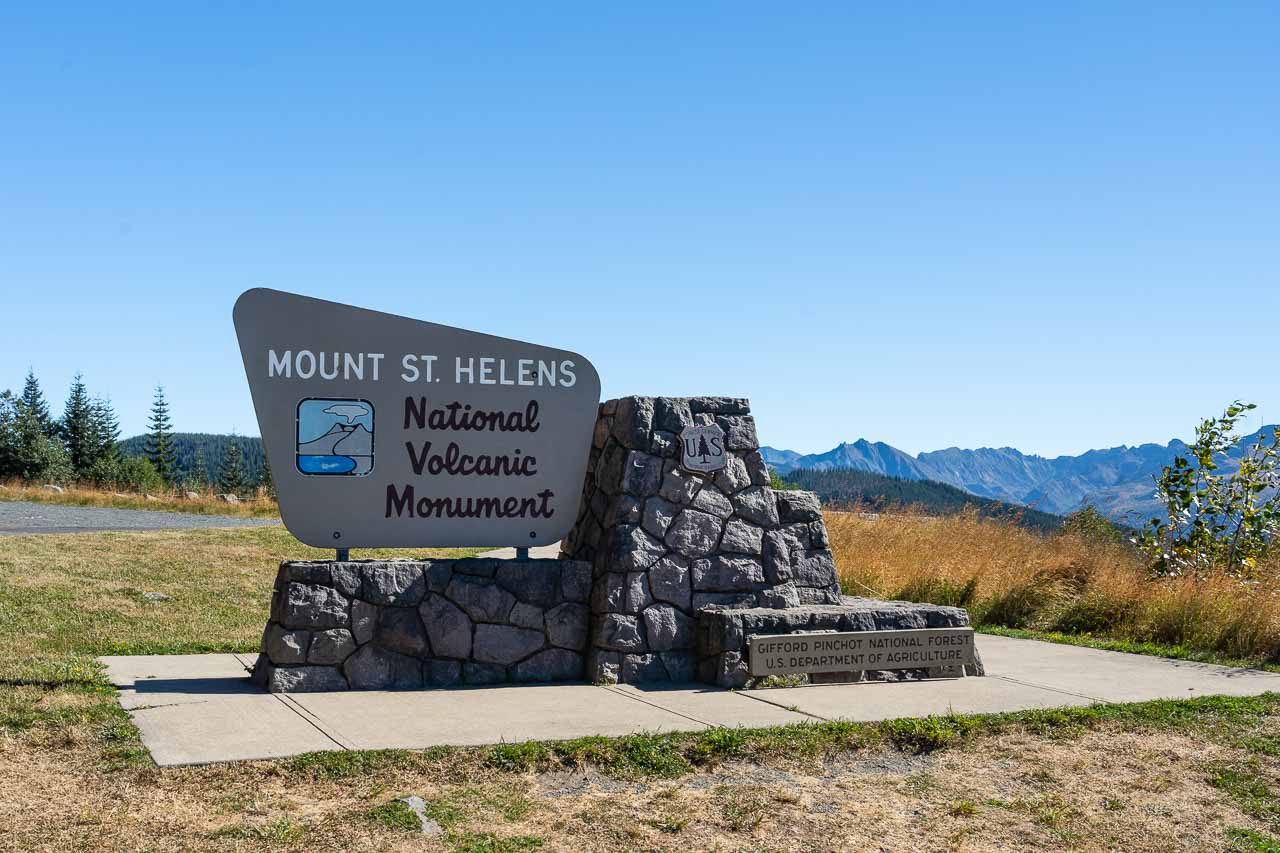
column 383, row 431
column 921, row 648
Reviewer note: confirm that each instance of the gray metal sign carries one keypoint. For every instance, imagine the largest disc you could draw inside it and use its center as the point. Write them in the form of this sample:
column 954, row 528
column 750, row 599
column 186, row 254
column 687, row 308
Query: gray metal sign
column 384, row 431
column 702, row 448
column 919, row 648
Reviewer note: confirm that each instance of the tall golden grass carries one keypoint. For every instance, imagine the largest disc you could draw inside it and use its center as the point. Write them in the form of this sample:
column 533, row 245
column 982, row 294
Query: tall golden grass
column 1008, row 576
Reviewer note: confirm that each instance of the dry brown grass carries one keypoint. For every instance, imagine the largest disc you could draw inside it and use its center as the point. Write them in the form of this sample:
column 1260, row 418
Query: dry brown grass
column 1107, row 789
column 1011, row 577
column 260, row 506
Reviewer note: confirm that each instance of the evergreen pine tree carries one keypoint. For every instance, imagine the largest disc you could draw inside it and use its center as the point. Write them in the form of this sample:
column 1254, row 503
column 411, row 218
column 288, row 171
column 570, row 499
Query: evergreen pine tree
column 199, row 473
column 76, row 428
column 104, row 431
column 266, row 481
column 32, row 400
column 160, row 448
column 231, row 478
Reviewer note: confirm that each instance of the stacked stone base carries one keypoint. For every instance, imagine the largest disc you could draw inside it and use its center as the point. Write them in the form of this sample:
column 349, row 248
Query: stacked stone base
column 723, row 635
column 405, row 624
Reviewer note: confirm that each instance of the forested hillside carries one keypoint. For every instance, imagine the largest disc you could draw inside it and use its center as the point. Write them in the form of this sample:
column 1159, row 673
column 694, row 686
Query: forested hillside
column 845, row 487
column 212, row 447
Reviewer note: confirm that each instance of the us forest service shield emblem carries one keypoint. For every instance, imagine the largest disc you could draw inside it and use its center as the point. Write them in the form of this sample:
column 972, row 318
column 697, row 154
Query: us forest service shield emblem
column 702, row 448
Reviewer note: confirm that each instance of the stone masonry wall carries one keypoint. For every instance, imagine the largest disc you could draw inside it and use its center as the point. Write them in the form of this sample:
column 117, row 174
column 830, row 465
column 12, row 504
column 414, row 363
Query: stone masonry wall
column 414, row 623
column 664, row 543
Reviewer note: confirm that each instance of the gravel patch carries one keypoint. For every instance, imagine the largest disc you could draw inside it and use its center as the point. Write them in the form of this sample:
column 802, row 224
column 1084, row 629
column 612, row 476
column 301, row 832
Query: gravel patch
column 26, row 517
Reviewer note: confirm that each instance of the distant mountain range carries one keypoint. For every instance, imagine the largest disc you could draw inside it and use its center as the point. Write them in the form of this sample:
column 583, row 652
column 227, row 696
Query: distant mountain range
column 845, row 488
column 1118, row 480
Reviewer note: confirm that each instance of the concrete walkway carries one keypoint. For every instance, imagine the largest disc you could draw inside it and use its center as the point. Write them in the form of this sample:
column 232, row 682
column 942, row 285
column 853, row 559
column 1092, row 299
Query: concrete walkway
column 195, row 709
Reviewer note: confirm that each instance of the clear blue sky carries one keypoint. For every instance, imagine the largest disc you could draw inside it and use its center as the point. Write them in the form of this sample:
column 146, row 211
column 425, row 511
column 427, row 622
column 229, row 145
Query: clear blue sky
column 1051, row 226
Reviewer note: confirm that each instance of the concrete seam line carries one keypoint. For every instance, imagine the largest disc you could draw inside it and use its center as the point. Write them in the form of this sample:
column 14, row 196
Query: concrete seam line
column 793, row 709
column 311, row 720
column 1047, row 687
column 617, row 692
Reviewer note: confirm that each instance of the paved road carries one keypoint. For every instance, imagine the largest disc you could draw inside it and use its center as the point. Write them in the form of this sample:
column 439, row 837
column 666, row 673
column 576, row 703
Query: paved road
column 28, row 517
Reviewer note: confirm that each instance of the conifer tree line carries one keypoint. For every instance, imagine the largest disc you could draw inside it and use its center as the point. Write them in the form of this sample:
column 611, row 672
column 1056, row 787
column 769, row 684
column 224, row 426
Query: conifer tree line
column 83, row 446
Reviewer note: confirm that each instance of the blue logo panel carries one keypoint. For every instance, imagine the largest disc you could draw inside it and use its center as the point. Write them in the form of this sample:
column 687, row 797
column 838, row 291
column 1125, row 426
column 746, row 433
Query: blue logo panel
column 335, row 437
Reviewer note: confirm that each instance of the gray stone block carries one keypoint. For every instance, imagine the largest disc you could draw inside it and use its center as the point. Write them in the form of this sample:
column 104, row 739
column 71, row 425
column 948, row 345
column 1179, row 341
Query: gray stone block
column 618, row 632
column 624, row 509
column 400, row 630
column 550, row 665
column 331, row 647
column 483, row 673
column 639, row 595
column 733, row 477
column 783, row 595
column 727, row 574
column 364, row 620
column 610, row 593
column 723, row 599
column 526, row 616
column 533, row 581
column 658, row 514
column 637, row 669
column 505, row 644
column 441, row 673
column 810, row 595
column 286, row 647
column 710, row 500
column 739, row 432
column 345, row 578
column 719, row 405
column 671, row 414
column 311, row 606
column 757, row 469
column 603, row 667
column 479, row 567
column 397, row 584
column 669, row 581
column 375, row 668
column 679, row 486
column 438, row 575
column 667, row 628
column 483, row 602
column 693, row 533
column 642, row 474
column 302, row 679
column 680, row 666
column 742, row 537
column 448, row 628
column 756, row 504
column 633, row 549
column 663, row 443
column 575, row 581
column 814, row 568
column 567, row 626
column 798, row 506
column 304, row 571
column 632, row 422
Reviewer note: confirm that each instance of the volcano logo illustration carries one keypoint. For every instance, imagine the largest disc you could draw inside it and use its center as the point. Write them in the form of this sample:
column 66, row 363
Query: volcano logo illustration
column 335, row 437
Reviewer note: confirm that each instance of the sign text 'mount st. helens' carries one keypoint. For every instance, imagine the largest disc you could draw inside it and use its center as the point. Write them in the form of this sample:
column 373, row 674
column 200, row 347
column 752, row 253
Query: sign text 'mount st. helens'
column 383, row 431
